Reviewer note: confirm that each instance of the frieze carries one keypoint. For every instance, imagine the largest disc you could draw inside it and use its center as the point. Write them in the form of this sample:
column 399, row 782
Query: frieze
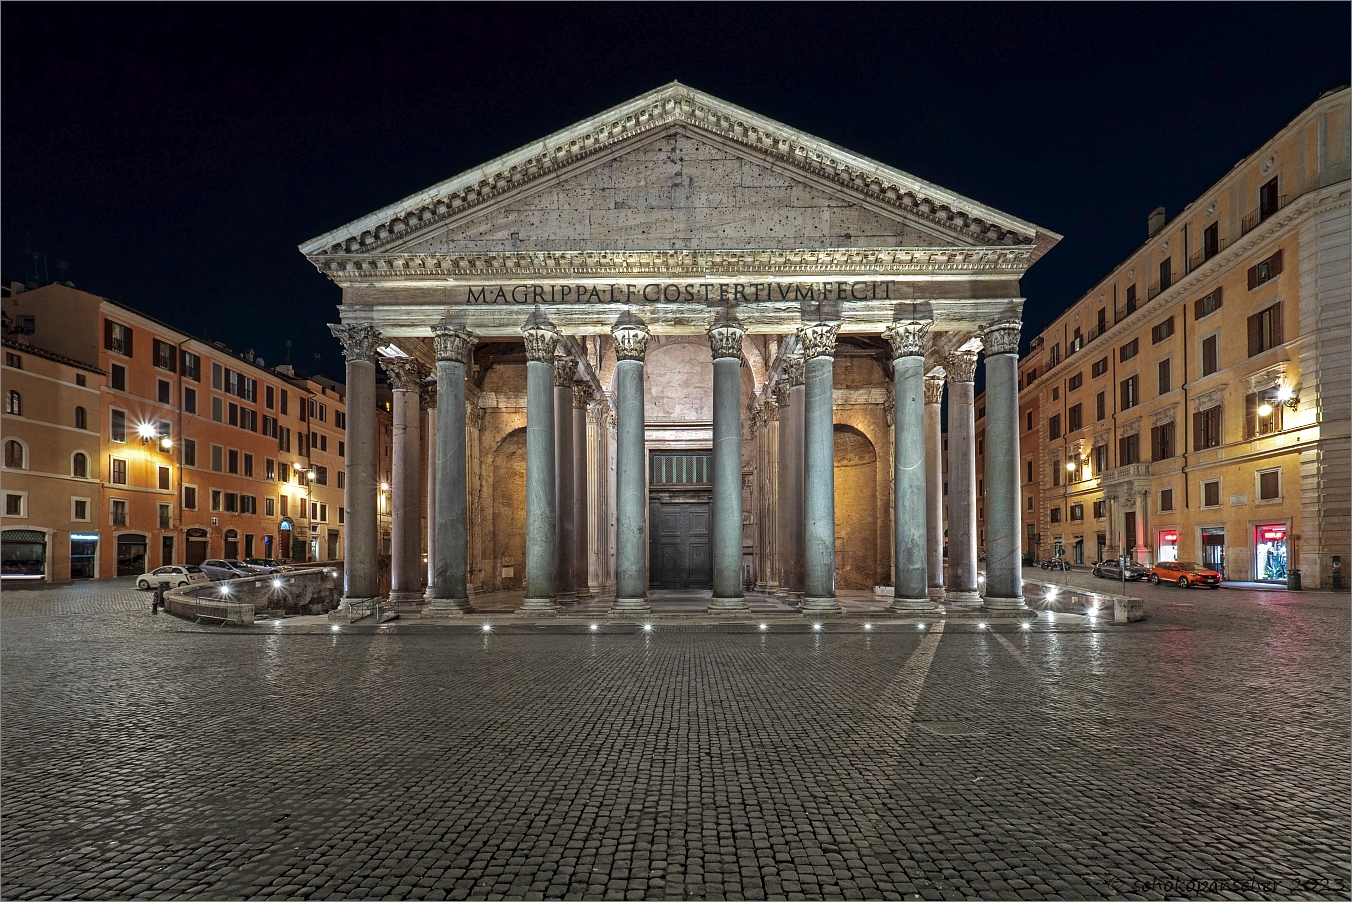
column 1165, row 415
column 1130, row 427
column 1208, row 399
column 359, row 341
column 877, row 184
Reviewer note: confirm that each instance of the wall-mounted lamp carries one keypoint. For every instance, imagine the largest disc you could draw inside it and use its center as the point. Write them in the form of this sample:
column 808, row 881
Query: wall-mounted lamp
column 1286, row 394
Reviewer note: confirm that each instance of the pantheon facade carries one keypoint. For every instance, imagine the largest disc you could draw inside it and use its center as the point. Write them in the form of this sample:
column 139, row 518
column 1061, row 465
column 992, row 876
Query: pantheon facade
column 683, row 346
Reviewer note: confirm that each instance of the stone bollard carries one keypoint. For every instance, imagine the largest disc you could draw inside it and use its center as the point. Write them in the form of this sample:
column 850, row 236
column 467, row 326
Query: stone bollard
column 1128, row 610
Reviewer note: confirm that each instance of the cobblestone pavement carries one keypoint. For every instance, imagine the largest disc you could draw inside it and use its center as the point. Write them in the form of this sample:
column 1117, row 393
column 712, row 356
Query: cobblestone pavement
column 1201, row 753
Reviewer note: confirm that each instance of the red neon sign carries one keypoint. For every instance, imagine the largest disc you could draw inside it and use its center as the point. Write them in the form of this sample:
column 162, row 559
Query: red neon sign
column 1274, row 534
column 1169, row 536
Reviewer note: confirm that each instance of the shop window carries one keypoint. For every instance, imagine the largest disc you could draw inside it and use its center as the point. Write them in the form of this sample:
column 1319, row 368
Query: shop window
column 1270, row 552
column 1211, row 493
column 1270, row 485
column 1168, row 545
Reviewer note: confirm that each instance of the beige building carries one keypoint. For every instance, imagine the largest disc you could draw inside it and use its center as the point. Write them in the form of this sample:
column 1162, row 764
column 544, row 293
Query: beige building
column 1195, row 403
column 51, row 478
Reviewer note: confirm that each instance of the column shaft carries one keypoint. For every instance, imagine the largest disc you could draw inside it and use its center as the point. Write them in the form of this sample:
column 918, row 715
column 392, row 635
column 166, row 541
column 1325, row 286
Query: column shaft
column 909, row 513
column 431, row 469
column 819, row 476
column 564, row 370
column 631, row 490
column 726, row 528
column 542, row 540
column 934, row 485
column 360, row 578
column 448, row 591
column 1004, row 570
column 581, row 546
column 962, row 587
column 406, row 483
column 791, row 482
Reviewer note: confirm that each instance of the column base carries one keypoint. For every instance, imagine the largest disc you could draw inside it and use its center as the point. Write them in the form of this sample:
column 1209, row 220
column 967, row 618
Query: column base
column 630, row 607
column 584, row 593
column 567, row 598
column 447, row 608
column 823, row 606
column 406, row 598
column 728, row 606
column 538, row 607
column 936, row 594
column 962, row 599
column 922, row 605
column 1006, row 606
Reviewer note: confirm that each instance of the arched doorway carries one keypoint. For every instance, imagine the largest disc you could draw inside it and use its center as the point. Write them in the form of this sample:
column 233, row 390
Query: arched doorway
column 856, row 503
column 196, row 545
column 131, row 554
column 509, row 509
column 231, row 545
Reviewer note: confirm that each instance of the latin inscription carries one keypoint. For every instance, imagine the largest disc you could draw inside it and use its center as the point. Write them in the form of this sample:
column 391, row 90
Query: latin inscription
column 679, row 293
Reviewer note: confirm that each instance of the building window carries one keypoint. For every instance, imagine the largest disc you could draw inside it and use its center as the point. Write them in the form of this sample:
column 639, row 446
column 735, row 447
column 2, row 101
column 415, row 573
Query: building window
column 14, row 455
column 189, row 452
column 13, row 403
column 1056, row 514
column 1054, row 355
column 234, row 415
column 269, row 468
column 1208, row 305
column 248, row 464
column 80, row 380
column 1100, row 405
column 163, row 392
column 166, row 519
column 81, row 418
column 1102, row 324
column 1100, row 459
column 217, row 409
column 1163, row 376
column 190, row 497
column 1029, row 420
column 163, row 356
column 1263, row 413
column 322, row 413
column 1128, row 450
column 269, row 506
column 269, row 397
column 119, row 472
column 217, row 458
column 323, row 513
column 14, row 504
column 1100, row 509
column 79, row 465
column 1206, row 427
column 1265, row 329
column 117, row 338
column 1056, row 472
column 191, row 366
column 232, row 461
column 119, row 512
column 1075, row 382
column 1166, row 500
column 1269, row 485
column 1028, row 479
column 1054, row 427
column 269, row 426
column 1077, row 512
column 1131, row 299
column 189, row 400
column 1030, row 507
column 117, row 377
column 1210, row 354
column 164, row 478
column 1162, row 331
column 342, row 446
column 340, row 418
column 341, row 479
column 1166, row 273
column 248, row 504
column 282, row 505
column 1075, row 418
column 231, row 502
column 1162, row 441
column 1265, row 271
column 216, row 499
column 340, row 516
column 79, row 509
column 1131, row 392
column 1129, row 350
column 13, row 361
column 1211, row 493
column 1211, row 241
column 1099, row 368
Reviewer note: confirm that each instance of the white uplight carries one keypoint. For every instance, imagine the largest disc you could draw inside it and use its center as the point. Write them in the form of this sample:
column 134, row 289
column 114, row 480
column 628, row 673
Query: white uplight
column 920, row 626
column 647, row 627
column 594, row 627
column 868, row 626
column 817, row 626
column 765, row 626
column 384, row 486
column 981, row 626
column 1025, row 625
column 276, row 584
column 487, row 627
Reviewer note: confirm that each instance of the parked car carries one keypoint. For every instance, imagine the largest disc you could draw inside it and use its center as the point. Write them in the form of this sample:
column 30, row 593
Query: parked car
column 252, row 569
column 1184, row 574
column 178, row 575
column 1112, row 569
column 218, row 570
column 268, row 565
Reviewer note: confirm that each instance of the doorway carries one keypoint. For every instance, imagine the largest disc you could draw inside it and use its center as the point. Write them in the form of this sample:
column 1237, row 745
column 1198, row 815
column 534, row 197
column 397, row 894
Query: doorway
column 1213, row 550
column 680, row 546
column 231, row 545
column 197, row 546
column 166, row 550
column 131, row 554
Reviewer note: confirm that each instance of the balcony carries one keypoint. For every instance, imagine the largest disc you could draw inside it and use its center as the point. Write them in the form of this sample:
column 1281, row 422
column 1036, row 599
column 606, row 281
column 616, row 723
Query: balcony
column 1204, row 255
column 1252, row 221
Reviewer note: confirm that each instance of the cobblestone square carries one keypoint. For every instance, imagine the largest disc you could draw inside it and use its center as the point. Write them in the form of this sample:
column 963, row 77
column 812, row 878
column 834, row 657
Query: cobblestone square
column 1201, row 753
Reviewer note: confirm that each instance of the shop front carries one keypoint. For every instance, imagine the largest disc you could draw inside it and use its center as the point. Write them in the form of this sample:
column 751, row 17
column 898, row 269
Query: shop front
column 197, row 545
column 131, row 554
column 23, row 554
column 84, row 555
column 1168, row 545
column 1270, row 553
column 1213, row 549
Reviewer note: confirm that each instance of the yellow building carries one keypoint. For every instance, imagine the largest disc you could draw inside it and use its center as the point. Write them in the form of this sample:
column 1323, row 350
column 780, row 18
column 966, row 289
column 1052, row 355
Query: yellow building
column 51, row 480
column 1195, row 403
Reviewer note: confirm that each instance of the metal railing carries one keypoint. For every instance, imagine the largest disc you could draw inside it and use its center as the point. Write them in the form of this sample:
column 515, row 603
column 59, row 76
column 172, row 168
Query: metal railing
column 1257, row 216
column 1204, row 255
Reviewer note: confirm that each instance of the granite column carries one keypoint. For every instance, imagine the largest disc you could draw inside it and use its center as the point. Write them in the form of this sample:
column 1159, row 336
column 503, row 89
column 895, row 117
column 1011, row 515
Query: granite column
column 1004, row 566
column 789, row 394
column 909, row 512
column 934, row 483
column 725, row 341
column 406, row 375
column 360, row 578
column 542, row 542
column 582, row 393
column 960, row 367
column 631, row 488
column 565, row 371
column 448, row 592
column 819, row 475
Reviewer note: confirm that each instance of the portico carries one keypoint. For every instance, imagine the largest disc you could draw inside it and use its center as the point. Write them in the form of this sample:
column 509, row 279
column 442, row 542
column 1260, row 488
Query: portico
column 672, row 330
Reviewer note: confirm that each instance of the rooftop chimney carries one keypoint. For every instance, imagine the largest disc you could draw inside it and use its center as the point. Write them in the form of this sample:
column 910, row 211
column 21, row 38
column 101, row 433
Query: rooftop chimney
column 1155, row 222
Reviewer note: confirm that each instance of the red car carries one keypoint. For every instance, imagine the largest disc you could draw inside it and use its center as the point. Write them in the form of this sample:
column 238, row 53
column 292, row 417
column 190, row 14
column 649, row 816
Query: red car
column 1184, row 574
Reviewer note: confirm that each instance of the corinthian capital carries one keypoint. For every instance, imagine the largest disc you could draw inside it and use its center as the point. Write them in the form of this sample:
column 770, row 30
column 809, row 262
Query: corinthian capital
column 960, row 366
column 934, row 388
column 793, row 370
column 631, row 337
column 582, row 395
column 725, row 338
column 818, row 339
column 541, row 337
column 406, row 373
column 453, row 343
column 359, row 341
column 1002, row 338
column 907, row 339
column 565, row 371
column 429, row 395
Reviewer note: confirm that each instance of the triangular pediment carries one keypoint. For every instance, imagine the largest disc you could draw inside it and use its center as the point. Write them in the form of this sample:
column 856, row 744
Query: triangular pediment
column 677, row 169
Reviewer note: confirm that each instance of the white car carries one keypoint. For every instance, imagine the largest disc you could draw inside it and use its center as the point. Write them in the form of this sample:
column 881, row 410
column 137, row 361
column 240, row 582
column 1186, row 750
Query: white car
column 178, row 575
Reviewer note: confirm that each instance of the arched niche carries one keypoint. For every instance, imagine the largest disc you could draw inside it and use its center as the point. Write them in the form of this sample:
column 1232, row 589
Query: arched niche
column 856, row 472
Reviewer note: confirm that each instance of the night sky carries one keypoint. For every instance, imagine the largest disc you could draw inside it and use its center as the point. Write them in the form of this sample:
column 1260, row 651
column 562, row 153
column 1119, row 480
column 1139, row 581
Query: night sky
column 172, row 157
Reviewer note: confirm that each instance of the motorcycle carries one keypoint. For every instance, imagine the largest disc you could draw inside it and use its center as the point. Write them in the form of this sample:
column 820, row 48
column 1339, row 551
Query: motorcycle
column 1055, row 564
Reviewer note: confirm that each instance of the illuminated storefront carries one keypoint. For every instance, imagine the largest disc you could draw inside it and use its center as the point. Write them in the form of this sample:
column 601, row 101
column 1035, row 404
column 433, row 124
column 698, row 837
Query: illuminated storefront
column 1168, row 545
column 1270, row 552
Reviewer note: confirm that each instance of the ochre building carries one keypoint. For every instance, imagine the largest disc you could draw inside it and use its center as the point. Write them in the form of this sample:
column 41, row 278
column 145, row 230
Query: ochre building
column 682, row 346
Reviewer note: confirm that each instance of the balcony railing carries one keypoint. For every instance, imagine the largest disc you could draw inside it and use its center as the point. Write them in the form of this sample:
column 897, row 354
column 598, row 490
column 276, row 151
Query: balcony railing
column 1155, row 290
column 1204, row 255
column 1257, row 216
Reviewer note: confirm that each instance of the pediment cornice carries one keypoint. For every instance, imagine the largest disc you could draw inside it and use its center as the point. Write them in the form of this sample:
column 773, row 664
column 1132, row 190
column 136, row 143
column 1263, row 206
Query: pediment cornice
column 1009, row 262
column 970, row 222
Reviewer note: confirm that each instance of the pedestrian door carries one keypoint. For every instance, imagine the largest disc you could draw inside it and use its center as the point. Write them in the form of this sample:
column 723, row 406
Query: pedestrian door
column 680, row 546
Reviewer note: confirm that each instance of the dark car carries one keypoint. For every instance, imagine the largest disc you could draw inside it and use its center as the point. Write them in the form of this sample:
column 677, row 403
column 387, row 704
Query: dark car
column 219, row 570
column 1112, row 569
column 264, row 565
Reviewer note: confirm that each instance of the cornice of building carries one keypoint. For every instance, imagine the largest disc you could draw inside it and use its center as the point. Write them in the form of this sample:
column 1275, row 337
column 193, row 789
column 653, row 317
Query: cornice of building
column 51, row 355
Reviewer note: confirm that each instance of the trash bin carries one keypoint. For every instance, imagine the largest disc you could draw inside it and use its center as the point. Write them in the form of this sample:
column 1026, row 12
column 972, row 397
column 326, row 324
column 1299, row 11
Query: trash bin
column 158, row 601
column 1293, row 580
